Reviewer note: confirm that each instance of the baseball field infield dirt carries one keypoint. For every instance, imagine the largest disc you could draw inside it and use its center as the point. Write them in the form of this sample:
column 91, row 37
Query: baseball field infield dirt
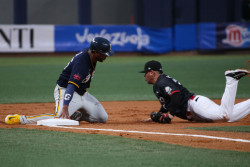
column 128, row 116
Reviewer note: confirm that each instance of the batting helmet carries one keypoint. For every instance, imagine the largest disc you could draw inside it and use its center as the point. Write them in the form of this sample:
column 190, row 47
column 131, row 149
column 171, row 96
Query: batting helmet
column 101, row 45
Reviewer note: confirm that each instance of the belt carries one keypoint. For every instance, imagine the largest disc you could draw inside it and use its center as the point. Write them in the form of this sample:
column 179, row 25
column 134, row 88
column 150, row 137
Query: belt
column 192, row 97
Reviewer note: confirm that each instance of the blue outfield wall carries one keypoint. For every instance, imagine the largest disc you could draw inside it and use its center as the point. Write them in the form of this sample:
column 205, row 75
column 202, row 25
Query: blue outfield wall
column 181, row 37
column 185, row 37
column 207, row 36
column 126, row 38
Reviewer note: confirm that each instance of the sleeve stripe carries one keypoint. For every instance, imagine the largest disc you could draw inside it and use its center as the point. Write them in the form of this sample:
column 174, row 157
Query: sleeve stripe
column 174, row 92
column 73, row 83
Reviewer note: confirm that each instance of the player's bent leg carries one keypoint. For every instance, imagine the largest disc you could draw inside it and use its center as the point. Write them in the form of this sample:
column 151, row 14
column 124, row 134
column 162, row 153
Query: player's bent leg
column 94, row 109
column 82, row 115
column 228, row 98
column 33, row 119
column 205, row 108
column 58, row 95
column 240, row 111
column 22, row 119
column 74, row 105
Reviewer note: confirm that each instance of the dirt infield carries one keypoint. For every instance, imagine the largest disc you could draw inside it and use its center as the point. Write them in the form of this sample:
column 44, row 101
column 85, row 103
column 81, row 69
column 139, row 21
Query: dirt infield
column 128, row 116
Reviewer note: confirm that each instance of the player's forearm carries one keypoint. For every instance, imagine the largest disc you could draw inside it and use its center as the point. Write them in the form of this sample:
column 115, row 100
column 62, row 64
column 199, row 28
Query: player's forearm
column 68, row 94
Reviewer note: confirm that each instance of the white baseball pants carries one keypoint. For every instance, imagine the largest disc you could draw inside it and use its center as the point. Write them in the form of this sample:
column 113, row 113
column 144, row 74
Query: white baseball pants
column 207, row 109
column 93, row 110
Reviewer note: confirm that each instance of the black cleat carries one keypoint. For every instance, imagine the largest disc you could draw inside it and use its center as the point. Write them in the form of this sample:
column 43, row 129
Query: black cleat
column 77, row 116
column 237, row 74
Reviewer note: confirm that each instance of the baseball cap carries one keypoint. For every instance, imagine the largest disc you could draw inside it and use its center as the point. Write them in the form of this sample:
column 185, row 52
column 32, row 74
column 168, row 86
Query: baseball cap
column 152, row 65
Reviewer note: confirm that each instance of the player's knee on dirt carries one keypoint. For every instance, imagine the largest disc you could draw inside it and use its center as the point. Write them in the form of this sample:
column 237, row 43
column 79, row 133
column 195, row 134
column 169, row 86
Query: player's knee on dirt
column 102, row 119
column 105, row 119
column 82, row 115
column 97, row 120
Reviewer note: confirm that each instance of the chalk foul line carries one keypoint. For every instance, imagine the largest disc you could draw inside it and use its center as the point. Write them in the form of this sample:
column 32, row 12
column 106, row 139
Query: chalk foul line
column 156, row 133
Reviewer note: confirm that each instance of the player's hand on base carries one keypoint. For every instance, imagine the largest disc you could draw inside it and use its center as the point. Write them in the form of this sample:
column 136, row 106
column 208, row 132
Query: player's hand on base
column 65, row 113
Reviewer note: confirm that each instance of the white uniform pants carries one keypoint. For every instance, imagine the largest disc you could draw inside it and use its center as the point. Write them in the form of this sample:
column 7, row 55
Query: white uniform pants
column 207, row 109
column 92, row 109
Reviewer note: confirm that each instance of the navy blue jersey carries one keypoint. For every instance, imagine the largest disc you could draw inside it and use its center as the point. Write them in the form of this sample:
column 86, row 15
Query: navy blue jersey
column 164, row 88
column 78, row 72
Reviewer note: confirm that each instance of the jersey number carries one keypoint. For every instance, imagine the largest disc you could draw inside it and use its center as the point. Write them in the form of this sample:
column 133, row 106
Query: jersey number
column 174, row 80
column 71, row 60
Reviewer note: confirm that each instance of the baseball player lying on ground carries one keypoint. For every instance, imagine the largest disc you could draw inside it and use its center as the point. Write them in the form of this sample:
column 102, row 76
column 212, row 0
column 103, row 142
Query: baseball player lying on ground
column 71, row 97
column 176, row 100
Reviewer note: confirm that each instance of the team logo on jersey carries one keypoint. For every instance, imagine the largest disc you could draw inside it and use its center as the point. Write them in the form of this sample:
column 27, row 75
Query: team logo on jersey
column 168, row 90
column 67, row 97
column 85, row 80
column 77, row 77
column 162, row 100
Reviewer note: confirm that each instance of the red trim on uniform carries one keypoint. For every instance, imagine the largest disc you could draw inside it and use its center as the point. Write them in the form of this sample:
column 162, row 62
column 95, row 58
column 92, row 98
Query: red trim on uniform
column 174, row 92
column 192, row 97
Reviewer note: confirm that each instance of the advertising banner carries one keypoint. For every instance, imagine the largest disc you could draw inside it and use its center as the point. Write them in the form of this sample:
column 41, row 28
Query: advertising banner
column 126, row 38
column 26, row 38
column 235, row 35
column 224, row 36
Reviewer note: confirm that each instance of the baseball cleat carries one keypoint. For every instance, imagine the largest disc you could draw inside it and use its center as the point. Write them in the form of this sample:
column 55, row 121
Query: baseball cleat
column 12, row 119
column 237, row 74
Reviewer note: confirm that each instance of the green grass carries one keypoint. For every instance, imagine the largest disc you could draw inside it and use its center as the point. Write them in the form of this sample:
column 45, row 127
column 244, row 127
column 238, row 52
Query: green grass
column 33, row 79
column 24, row 147
column 245, row 129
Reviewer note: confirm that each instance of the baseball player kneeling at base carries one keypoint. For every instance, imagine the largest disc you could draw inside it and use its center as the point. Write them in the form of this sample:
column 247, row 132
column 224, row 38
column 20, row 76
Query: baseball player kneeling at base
column 176, row 100
column 71, row 97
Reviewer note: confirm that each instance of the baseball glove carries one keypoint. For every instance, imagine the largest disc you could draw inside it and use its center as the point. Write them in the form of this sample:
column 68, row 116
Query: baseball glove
column 155, row 116
column 160, row 117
